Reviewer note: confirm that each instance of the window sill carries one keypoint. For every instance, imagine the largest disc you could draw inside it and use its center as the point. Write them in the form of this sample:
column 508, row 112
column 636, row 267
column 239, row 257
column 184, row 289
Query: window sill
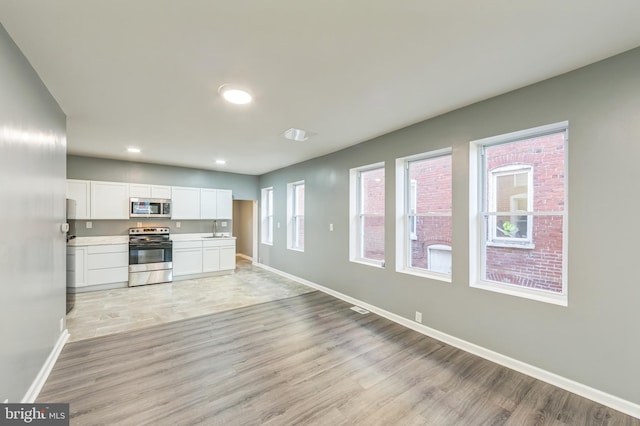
column 374, row 263
column 513, row 290
column 423, row 273
column 266, row 244
column 506, row 244
column 295, row 249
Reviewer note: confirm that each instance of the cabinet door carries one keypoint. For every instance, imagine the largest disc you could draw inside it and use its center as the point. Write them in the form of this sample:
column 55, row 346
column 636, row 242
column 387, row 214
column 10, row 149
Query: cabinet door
column 210, row 259
column 224, row 204
column 185, row 203
column 208, row 203
column 109, row 200
column 187, row 261
column 163, row 192
column 77, row 267
column 138, row 190
column 227, row 258
column 80, row 191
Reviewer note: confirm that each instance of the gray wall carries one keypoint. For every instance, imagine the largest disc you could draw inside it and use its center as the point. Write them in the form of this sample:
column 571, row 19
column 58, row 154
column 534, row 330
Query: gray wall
column 32, row 249
column 592, row 341
column 244, row 187
column 89, row 168
column 243, row 226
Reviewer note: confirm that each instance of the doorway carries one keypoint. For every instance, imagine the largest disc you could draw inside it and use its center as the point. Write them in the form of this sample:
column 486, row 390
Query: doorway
column 245, row 228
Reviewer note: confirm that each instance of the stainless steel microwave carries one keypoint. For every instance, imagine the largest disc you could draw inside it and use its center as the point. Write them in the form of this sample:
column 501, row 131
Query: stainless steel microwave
column 149, row 207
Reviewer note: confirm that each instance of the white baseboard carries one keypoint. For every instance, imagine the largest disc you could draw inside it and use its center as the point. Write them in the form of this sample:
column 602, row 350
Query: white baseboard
column 585, row 391
column 43, row 375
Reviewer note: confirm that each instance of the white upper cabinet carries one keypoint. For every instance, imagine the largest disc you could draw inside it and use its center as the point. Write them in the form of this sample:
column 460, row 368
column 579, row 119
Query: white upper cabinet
column 208, row 203
column 185, row 203
column 109, row 200
column 159, row 191
column 216, row 203
column 224, row 204
column 139, row 190
column 80, row 191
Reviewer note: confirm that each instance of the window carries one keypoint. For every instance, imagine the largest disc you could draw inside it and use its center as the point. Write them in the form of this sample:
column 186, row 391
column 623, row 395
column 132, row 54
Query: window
column 295, row 213
column 423, row 203
column 367, row 214
column 518, row 228
column 267, row 215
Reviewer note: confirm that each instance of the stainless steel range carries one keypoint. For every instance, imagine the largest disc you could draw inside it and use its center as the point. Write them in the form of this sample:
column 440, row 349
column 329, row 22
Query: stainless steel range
column 150, row 256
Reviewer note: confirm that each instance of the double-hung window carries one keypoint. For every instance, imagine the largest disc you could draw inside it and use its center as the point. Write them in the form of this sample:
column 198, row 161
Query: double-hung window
column 295, row 213
column 518, row 221
column 367, row 200
column 423, row 204
column 267, row 215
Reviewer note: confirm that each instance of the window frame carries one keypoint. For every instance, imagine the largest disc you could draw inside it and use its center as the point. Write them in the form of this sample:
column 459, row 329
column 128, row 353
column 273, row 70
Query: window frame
column 266, row 213
column 405, row 192
column 356, row 228
column 477, row 207
column 293, row 215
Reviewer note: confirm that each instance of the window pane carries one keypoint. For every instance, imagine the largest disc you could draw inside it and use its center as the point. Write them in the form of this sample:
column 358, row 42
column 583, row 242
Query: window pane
column 373, row 237
column 512, row 192
column 299, row 231
column 539, row 268
column 299, row 200
column 432, row 231
column 544, row 156
column 432, row 178
column 372, row 191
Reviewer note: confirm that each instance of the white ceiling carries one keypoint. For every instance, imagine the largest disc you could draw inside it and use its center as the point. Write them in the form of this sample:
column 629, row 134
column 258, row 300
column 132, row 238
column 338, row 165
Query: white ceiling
column 145, row 73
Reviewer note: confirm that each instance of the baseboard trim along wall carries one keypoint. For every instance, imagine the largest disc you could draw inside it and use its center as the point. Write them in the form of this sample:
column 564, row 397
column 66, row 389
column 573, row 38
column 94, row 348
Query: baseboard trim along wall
column 585, row 391
column 43, row 375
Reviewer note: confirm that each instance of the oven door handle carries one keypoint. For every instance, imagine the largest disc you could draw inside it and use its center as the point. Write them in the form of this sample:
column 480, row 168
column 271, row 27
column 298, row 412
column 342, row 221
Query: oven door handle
column 150, row 246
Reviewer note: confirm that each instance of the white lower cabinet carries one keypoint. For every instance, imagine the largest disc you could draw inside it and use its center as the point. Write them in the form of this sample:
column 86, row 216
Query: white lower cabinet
column 187, row 257
column 203, row 256
column 97, row 265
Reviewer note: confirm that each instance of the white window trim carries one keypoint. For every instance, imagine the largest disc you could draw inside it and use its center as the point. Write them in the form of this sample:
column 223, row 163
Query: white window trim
column 292, row 234
column 355, row 237
column 402, row 218
column 266, row 213
column 476, row 219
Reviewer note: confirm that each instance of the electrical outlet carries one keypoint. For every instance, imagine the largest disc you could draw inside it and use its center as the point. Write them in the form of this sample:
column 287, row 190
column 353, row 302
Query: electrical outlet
column 178, row 224
column 139, row 224
column 419, row 317
column 89, row 225
column 278, row 225
column 331, row 227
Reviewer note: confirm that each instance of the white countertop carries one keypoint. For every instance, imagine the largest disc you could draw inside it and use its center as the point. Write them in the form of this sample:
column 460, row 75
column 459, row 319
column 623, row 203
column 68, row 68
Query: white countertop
column 124, row 239
column 195, row 237
column 98, row 241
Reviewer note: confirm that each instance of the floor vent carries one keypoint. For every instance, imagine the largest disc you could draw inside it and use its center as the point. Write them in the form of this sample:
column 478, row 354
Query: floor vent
column 359, row 310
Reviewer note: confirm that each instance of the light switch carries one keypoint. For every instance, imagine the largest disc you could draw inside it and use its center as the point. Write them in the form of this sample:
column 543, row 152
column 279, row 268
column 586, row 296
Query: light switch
column 331, row 227
column 278, row 225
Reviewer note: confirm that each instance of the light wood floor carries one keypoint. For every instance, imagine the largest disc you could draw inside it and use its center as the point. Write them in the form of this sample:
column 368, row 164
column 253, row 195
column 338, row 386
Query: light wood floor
column 101, row 313
column 307, row 359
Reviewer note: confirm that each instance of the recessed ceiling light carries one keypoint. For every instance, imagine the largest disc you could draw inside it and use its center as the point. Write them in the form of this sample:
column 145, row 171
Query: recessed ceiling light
column 297, row 135
column 135, row 150
column 234, row 94
column 221, row 162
